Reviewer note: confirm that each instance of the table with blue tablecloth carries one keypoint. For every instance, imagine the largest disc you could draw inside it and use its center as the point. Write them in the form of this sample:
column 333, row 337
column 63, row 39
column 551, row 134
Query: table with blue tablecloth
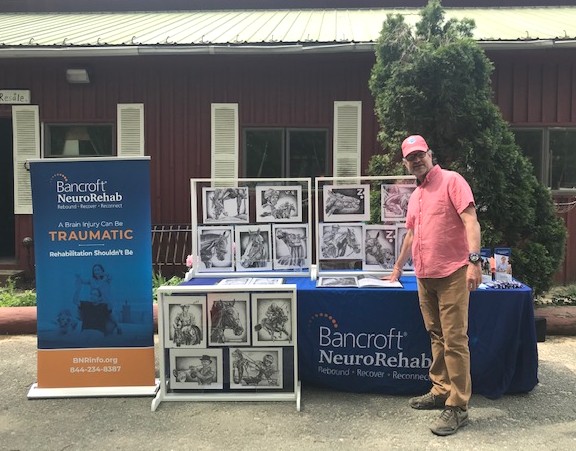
column 373, row 339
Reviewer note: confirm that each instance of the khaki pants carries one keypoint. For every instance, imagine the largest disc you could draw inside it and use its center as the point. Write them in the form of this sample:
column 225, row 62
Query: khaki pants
column 444, row 306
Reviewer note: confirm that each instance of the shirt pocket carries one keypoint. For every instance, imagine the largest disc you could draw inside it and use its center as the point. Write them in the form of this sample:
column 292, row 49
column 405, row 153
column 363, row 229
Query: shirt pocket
column 440, row 207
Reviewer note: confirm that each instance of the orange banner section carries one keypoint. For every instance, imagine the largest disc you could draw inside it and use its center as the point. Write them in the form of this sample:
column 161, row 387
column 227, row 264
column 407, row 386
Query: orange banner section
column 100, row 367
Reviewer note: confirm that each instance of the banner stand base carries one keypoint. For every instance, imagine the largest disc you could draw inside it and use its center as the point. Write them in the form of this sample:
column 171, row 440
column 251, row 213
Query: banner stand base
column 86, row 392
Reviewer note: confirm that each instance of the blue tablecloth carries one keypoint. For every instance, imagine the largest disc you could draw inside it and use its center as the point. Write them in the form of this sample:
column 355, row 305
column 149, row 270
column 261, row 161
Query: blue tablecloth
column 373, row 339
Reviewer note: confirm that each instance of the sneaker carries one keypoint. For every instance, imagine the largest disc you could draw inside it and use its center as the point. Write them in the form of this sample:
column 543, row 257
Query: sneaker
column 427, row 401
column 451, row 419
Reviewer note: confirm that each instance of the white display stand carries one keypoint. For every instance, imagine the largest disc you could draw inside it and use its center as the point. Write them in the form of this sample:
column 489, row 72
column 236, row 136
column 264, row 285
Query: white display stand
column 225, row 387
column 200, row 196
column 84, row 392
column 371, row 187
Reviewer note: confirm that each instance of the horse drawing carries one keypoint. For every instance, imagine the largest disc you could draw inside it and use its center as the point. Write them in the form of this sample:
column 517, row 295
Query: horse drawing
column 224, row 316
column 384, row 257
column 337, row 245
column 213, row 245
column 283, row 211
column 274, row 323
column 187, row 336
column 395, row 202
column 220, row 195
column 255, row 253
column 296, row 242
column 338, row 203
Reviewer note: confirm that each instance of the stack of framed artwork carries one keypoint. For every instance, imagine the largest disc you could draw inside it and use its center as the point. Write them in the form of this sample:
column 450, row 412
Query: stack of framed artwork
column 222, row 343
column 360, row 223
column 250, row 227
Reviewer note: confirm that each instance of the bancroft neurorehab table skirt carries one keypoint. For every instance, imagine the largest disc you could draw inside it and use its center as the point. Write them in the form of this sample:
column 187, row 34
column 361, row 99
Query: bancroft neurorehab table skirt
column 373, row 339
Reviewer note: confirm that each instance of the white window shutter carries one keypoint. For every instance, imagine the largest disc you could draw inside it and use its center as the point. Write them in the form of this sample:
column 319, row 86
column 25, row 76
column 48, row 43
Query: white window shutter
column 347, row 134
column 224, row 140
column 26, row 135
column 130, row 123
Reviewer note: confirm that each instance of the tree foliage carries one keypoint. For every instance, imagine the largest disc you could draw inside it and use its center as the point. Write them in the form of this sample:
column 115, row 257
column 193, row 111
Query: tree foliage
column 434, row 80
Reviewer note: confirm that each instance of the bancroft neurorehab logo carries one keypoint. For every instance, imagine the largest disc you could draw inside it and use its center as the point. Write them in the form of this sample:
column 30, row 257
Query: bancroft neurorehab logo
column 365, row 353
column 89, row 194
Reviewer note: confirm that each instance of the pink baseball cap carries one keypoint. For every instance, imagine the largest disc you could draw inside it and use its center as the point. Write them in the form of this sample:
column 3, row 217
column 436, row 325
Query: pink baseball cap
column 414, row 143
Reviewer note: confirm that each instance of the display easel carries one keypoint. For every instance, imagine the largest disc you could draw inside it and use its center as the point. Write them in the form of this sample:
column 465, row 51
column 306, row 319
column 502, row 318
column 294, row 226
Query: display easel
column 374, row 192
column 199, row 205
column 199, row 296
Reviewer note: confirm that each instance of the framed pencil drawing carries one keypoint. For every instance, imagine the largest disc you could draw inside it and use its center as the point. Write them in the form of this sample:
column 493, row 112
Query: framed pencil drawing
column 196, row 369
column 290, row 246
column 259, row 368
column 379, row 247
column 279, row 203
column 342, row 241
column 401, row 231
column 394, row 201
column 225, row 205
column 228, row 318
column 185, row 321
column 253, row 247
column 346, row 202
column 215, row 244
column 272, row 319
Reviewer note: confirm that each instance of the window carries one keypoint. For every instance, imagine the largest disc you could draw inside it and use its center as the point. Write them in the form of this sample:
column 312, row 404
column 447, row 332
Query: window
column 78, row 140
column 285, row 153
column 552, row 151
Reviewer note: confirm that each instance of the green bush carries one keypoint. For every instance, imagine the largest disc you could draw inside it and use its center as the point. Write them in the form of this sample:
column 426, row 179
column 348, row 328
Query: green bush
column 158, row 280
column 435, row 81
column 11, row 297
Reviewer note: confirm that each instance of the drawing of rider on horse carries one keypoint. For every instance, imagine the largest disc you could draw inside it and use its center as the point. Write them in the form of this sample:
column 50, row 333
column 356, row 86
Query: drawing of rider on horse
column 185, row 330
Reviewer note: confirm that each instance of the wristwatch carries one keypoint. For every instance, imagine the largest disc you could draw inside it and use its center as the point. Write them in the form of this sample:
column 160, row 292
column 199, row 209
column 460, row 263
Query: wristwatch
column 474, row 257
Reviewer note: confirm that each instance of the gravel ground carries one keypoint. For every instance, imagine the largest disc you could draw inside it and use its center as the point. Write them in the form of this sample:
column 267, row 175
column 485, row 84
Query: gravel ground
column 542, row 419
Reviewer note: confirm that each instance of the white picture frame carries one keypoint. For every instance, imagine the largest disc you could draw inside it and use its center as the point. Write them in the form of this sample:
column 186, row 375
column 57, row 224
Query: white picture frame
column 185, row 321
column 290, row 247
column 401, row 231
column 379, row 247
column 341, row 241
column 196, row 369
column 273, row 322
column 278, row 204
column 215, row 248
column 225, row 205
column 256, row 368
column 253, row 250
column 228, row 319
column 344, row 203
column 394, row 201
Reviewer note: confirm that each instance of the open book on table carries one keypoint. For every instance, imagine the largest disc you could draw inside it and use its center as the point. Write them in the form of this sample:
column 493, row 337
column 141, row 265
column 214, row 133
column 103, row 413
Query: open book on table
column 356, row 282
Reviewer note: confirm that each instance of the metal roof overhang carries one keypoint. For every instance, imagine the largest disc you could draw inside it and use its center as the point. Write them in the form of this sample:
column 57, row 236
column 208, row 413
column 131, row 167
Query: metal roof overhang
column 210, row 49
column 75, row 35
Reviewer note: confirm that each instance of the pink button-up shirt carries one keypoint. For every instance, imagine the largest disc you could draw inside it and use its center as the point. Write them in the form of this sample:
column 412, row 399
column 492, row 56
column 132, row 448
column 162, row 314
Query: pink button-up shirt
column 440, row 245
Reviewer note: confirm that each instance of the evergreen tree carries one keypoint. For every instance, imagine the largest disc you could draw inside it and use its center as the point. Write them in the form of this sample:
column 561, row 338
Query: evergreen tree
column 435, row 81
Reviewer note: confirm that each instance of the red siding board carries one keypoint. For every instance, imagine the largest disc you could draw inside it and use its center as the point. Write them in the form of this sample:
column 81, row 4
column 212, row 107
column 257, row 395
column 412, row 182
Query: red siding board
column 531, row 88
column 563, row 96
column 520, row 97
column 534, row 94
column 549, row 99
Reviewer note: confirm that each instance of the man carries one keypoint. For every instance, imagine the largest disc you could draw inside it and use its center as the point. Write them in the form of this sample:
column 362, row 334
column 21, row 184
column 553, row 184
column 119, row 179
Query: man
column 444, row 239
column 205, row 374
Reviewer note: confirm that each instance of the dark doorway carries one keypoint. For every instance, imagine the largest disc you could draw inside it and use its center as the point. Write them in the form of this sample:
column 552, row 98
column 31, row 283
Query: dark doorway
column 7, row 230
